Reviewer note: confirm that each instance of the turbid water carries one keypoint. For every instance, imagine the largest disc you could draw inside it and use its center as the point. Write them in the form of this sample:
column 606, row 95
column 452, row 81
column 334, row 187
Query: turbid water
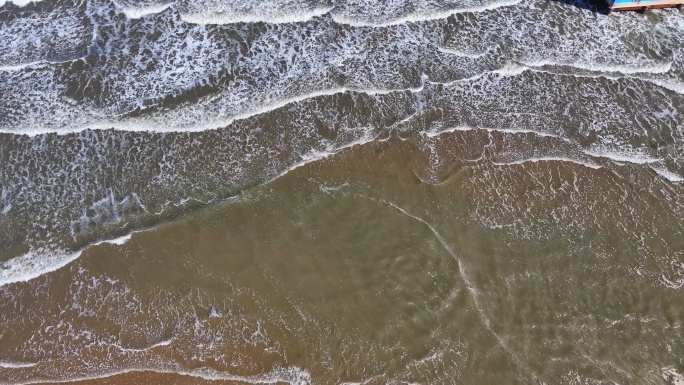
column 347, row 192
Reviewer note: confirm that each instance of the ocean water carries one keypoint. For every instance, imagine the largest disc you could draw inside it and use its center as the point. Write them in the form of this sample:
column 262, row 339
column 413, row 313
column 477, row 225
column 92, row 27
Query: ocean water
column 340, row 192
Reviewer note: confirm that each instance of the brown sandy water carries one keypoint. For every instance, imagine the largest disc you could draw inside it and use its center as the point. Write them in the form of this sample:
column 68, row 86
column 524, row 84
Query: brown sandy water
column 347, row 192
column 355, row 268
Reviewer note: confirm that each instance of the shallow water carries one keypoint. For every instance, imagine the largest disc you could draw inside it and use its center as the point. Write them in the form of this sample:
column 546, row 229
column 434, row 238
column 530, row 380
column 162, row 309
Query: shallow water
column 352, row 192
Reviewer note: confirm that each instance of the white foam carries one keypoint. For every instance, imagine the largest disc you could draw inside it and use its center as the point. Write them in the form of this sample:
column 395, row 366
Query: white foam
column 432, row 134
column 213, row 312
column 240, row 103
column 318, row 155
column 148, row 125
column 422, row 16
column 141, row 11
column 511, row 69
column 508, row 69
column 116, row 241
column 550, row 159
column 623, row 157
column 616, row 72
column 640, row 159
column 290, row 375
column 671, row 85
column 672, row 376
column 677, row 284
column 274, row 13
column 667, row 174
column 16, row 364
column 34, row 264
column 21, row 66
column 161, row 343
column 266, row 17
column 652, row 68
column 19, row 3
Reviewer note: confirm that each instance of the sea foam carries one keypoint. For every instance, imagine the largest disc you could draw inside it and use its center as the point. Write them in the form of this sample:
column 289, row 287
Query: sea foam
column 16, row 364
column 19, row 3
column 290, row 375
column 34, row 264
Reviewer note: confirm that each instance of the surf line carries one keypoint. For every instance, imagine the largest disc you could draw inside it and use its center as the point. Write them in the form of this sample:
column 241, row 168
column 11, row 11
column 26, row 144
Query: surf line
column 471, row 289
